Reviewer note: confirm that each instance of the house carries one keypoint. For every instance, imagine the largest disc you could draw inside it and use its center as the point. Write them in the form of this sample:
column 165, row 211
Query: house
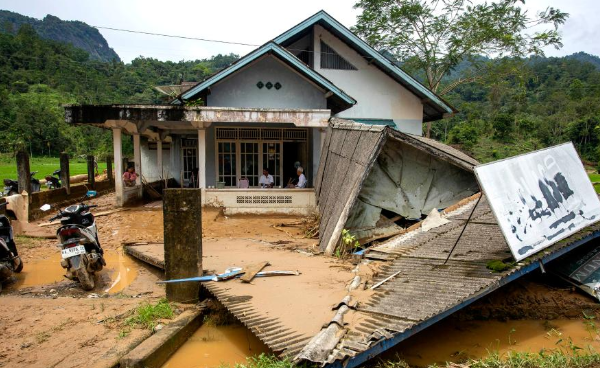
column 270, row 109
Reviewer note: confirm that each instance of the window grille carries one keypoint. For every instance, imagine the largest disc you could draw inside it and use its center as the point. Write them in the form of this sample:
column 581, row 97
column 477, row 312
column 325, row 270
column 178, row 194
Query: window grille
column 330, row 59
column 227, row 133
column 257, row 134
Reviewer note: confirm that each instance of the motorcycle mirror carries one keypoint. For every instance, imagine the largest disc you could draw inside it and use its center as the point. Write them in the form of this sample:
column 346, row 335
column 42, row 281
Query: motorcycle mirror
column 46, row 207
column 91, row 194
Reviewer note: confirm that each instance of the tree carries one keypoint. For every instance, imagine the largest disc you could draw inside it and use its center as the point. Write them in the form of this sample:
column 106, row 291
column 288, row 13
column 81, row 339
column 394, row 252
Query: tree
column 433, row 36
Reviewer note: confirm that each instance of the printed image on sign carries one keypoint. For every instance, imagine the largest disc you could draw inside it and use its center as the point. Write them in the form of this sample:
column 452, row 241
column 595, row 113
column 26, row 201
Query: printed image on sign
column 539, row 198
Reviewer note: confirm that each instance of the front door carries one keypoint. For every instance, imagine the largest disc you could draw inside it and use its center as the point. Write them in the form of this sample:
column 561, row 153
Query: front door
column 271, row 160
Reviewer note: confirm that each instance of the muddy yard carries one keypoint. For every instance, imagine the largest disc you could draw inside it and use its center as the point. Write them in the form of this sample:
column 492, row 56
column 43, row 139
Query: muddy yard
column 48, row 321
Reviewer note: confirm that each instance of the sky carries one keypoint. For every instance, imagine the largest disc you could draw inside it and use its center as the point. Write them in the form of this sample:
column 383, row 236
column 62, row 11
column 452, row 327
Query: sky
column 253, row 22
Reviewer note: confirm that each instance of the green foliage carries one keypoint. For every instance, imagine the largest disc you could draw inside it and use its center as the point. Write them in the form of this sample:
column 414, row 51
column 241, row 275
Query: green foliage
column 267, row 361
column 464, row 134
column 147, row 315
column 434, row 37
column 349, row 240
column 38, row 76
column 498, row 266
column 503, row 127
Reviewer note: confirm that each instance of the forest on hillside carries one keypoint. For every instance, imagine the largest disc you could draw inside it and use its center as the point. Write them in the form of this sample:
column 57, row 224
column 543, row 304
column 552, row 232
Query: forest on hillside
column 38, row 76
column 522, row 105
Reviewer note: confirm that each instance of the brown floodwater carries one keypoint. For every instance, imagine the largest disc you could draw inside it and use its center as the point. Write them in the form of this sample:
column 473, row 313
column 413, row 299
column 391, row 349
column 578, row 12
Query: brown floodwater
column 120, row 268
column 212, row 346
column 453, row 341
column 448, row 341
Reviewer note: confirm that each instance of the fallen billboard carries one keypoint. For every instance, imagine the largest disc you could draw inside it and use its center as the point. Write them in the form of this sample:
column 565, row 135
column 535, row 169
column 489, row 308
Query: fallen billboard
column 539, row 198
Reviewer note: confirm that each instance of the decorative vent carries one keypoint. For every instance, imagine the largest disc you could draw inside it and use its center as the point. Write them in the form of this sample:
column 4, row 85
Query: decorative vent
column 330, row 59
column 264, row 199
column 189, row 143
column 269, row 85
column 227, row 133
column 260, row 85
column 271, row 134
column 264, row 134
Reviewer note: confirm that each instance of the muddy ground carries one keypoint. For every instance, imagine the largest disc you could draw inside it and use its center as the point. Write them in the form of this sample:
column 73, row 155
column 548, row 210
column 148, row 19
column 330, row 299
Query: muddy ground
column 48, row 321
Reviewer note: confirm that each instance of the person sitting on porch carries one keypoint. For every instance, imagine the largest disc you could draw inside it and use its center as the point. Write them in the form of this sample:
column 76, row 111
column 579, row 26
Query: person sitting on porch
column 301, row 179
column 129, row 177
column 266, row 180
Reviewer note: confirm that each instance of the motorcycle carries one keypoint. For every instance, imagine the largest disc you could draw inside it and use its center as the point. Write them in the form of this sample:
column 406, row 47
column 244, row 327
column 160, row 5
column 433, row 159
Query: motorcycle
column 53, row 181
column 11, row 187
column 81, row 253
column 10, row 262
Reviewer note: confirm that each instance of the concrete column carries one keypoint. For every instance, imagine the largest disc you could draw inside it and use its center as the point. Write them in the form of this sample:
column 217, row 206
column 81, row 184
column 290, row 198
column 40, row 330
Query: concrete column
column 202, row 158
column 137, row 157
column 159, row 159
column 323, row 135
column 91, row 171
column 23, row 172
column 109, row 171
column 182, row 214
column 118, row 155
column 65, row 173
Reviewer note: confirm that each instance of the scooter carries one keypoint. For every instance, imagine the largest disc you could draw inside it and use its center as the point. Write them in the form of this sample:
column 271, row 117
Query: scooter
column 11, row 187
column 10, row 262
column 53, row 181
column 81, row 253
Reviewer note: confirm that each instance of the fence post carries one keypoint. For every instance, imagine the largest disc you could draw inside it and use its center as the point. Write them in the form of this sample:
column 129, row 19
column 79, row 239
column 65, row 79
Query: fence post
column 65, row 174
column 91, row 171
column 24, row 172
column 182, row 216
column 109, row 171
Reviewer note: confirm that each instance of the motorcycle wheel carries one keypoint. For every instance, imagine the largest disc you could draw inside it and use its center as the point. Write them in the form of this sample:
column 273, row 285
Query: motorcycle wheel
column 85, row 279
column 19, row 268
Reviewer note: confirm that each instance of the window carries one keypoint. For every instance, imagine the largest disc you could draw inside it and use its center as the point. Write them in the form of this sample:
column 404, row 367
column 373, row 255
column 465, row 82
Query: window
column 330, row 59
column 227, row 163
column 249, row 162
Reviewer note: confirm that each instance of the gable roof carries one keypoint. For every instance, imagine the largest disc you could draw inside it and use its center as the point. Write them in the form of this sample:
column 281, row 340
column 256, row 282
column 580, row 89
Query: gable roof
column 340, row 100
column 434, row 107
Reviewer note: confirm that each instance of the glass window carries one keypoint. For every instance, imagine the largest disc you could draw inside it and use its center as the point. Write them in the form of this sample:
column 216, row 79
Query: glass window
column 227, row 163
column 249, row 162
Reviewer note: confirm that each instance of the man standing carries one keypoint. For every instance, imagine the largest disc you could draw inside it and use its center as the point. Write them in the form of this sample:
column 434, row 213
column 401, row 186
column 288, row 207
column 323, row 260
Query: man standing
column 266, row 180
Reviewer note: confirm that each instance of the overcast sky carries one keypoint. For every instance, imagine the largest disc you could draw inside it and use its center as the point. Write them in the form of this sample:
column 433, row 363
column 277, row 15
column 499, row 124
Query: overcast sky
column 253, row 22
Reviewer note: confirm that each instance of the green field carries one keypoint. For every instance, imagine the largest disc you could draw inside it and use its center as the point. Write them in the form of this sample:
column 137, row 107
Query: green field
column 44, row 166
column 595, row 178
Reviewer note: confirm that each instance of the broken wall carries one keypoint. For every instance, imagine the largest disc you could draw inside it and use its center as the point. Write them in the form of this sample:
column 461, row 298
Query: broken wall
column 409, row 182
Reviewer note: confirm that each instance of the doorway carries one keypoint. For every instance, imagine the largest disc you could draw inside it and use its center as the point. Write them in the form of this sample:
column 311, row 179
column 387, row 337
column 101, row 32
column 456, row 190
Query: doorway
column 294, row 152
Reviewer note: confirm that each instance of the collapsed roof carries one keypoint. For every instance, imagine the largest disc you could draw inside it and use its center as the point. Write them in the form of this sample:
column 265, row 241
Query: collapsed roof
column 367, row 170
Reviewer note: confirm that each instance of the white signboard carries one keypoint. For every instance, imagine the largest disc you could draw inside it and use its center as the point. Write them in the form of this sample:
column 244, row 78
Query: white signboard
column 539, row 198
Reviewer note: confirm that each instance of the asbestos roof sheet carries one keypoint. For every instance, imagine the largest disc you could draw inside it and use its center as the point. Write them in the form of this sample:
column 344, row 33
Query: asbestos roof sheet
column 426, row 290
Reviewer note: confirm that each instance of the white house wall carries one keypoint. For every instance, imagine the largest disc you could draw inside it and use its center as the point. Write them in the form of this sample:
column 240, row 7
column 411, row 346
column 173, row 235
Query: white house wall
column 150, row 170
column 378, row 95
column 240, row 90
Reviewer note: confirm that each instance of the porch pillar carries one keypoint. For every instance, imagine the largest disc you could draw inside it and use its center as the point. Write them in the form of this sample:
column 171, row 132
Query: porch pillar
column 202, row 158
column 137, row 157
column 118, row 156
column 159, row 159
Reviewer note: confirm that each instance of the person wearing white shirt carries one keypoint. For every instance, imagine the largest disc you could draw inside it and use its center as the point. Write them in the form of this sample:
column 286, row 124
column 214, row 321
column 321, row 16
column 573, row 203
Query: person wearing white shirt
column 301, row 178
column 266, row 180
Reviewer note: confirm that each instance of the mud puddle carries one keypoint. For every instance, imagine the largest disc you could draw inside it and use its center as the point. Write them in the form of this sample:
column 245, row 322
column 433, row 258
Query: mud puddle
column 120, row 271
column 451, row 341
column 212, row 346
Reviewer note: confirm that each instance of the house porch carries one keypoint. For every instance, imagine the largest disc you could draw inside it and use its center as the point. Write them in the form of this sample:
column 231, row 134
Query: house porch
column 213, row 148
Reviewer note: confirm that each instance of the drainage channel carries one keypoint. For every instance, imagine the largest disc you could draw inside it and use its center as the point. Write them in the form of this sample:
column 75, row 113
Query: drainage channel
column 216, row 346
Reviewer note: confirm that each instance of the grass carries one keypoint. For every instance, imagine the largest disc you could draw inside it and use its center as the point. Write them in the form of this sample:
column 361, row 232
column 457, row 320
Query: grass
column 147, row 315
column 44, row 166
column 595, row 178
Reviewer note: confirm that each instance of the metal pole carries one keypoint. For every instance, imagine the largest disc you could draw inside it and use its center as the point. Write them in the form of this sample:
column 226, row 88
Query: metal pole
column 464, row 227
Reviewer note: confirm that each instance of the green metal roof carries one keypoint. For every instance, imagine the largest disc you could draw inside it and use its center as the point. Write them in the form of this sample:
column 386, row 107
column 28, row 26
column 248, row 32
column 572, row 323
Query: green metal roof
column 363, row 48
column 273, row 49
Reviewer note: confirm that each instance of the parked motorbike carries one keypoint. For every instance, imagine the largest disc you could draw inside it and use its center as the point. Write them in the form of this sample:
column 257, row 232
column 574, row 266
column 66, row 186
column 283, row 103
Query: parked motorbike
column 11, row 187
column 81, row 253
column 10, row 262
column 53, row 181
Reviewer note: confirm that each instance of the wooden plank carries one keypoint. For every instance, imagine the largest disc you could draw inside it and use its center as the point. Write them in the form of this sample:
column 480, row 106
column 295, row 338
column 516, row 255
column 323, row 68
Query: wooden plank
column 252, row 270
